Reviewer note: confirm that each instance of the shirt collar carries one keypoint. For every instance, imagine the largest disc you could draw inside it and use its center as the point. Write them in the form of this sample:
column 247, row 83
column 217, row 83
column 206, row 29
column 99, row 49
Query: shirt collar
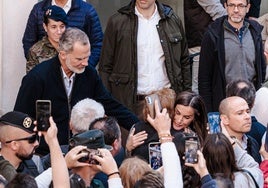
column 235, row 30
column 66, row 7
column 65, row 75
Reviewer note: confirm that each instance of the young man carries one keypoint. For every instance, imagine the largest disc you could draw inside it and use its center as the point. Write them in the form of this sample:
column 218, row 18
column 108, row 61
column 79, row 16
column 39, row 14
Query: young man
column 231, row 48
column 144, row 50
column 19, row 142
column 55, row 20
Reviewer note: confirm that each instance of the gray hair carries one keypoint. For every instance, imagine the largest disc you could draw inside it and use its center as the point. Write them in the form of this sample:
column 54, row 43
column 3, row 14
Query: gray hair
column 84, row 113
column 70, row 37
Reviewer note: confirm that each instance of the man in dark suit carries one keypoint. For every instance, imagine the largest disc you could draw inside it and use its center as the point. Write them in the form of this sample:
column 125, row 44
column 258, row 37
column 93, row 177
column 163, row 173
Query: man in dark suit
column 65, row 80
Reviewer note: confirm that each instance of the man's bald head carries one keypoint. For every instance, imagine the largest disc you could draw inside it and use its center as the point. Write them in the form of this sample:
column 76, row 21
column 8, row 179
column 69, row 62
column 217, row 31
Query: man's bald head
column 229, row 103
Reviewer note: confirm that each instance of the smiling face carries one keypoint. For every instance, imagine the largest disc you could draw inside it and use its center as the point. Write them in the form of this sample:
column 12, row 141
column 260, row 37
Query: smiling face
column 236, row 10
column 184, row 116
column 54, row 30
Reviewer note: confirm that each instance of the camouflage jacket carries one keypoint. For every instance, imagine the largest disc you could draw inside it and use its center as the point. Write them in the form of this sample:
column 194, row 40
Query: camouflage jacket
column 39, row 52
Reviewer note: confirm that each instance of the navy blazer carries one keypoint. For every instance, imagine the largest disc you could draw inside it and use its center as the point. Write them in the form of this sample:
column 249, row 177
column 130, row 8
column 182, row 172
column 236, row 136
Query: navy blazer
column 45, row 82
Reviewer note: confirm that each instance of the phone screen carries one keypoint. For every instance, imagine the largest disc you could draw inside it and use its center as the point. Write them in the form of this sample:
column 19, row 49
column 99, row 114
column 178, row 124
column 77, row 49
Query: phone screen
column 155, row 157
column 191, row 147
column 150, row 103
column 214, row 122
column 43, row 112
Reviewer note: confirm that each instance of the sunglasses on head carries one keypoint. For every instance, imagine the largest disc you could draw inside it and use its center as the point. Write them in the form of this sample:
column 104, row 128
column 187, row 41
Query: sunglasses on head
column 30, row 139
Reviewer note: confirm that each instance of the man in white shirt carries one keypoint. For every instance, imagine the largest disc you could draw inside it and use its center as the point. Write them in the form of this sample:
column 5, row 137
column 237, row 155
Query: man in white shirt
column 144, row 50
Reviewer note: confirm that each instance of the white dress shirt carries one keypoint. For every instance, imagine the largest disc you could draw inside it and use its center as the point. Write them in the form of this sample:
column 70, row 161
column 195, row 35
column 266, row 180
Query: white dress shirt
column 152, row 73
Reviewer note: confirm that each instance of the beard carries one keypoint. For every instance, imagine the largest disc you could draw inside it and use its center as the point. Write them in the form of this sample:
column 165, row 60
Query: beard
column 23, row 157
column 73, row 69
column 236, row 19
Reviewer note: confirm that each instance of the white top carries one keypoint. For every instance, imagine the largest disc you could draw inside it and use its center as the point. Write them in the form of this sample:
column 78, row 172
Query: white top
column 115, row 183
column 172, row 166
column 68, row 82
column 152, row 73
column 44, row 179
column 260, row 107
column 66, row 7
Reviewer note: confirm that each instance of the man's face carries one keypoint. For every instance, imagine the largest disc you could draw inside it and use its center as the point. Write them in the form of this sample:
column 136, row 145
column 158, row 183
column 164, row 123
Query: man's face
column 238, row 118
column 77, row 60
column 26, row 150
column 236, row 10
column 145, row 4
column 54, row 30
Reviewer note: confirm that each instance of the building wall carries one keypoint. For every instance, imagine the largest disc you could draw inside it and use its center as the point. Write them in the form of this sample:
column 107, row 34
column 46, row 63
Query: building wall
column 13, row 18
column 14, row 14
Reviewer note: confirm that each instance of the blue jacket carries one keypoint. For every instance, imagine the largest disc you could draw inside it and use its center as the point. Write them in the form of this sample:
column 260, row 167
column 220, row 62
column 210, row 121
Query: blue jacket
column 81, row 15
column 45, row 81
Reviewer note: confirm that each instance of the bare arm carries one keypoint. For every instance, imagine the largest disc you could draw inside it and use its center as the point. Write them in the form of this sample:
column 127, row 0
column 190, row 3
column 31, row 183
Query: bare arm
column 60, row 174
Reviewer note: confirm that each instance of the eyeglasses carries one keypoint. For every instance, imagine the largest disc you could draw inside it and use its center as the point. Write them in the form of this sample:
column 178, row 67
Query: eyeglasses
column 31, row 139
column 239, row 6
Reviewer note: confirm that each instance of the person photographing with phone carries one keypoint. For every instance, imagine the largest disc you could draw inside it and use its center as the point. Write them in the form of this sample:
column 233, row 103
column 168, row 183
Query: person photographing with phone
column 93, row 157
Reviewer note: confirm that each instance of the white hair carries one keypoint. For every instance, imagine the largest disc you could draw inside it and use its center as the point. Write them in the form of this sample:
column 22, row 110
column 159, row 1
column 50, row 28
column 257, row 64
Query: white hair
column 84, row 112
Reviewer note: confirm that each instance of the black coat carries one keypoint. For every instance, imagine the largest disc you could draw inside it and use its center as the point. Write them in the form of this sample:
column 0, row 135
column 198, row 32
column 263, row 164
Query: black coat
column 45, row 82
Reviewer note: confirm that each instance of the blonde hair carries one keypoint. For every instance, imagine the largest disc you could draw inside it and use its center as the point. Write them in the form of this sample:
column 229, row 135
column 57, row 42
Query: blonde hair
column 131, row 170
column 167, row 99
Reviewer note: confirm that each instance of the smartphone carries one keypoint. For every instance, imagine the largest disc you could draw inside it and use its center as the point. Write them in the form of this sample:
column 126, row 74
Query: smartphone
column 214, row 122
column 43, row 112
column 89, row 157
column 150, row 104
column 191, row 147
column 155, row 157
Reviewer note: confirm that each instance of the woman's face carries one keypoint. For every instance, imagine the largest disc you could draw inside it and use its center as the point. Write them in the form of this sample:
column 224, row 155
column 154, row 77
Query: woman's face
column 184, row 115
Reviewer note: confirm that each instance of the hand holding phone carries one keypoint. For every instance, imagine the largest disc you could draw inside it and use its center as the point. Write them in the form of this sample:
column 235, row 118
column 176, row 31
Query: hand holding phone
column 43, row 112
column 191, row 147
column 155, row 157
column 89, row 157
column 150, row 101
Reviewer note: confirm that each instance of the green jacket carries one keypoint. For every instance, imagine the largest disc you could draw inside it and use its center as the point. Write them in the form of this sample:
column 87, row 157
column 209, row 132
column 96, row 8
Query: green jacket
column 118, row 61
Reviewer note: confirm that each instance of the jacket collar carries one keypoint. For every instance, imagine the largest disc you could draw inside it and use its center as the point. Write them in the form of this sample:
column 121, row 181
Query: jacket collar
column 164, row 10
column 217, row 27
column 75, row 4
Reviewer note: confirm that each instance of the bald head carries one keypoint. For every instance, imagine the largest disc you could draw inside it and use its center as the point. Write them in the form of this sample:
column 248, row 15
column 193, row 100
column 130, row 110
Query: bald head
column 230, row 103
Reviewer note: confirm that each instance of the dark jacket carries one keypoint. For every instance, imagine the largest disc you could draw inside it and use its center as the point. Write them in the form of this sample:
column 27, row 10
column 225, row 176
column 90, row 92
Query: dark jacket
column 81, row 15
column 253, row 149
column 211, row 76
column 45, row 82
column 118, row 61
column 196, row 22
column 257, row 130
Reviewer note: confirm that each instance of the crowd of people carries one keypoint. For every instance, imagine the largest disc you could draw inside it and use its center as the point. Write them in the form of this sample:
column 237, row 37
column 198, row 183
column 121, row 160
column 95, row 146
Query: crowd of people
column 100, row 130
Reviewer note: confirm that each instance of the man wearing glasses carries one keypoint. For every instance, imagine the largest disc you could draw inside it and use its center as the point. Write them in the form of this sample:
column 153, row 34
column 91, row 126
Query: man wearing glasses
column 18, row 142
column 231, row 49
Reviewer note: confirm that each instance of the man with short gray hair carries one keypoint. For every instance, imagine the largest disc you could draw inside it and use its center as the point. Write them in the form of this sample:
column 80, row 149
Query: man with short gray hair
column 65, row 80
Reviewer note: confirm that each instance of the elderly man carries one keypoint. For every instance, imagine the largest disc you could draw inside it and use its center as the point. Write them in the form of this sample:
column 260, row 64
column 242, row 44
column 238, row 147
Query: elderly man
column 65, row 80
column 18, row 141
column 235, row 117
